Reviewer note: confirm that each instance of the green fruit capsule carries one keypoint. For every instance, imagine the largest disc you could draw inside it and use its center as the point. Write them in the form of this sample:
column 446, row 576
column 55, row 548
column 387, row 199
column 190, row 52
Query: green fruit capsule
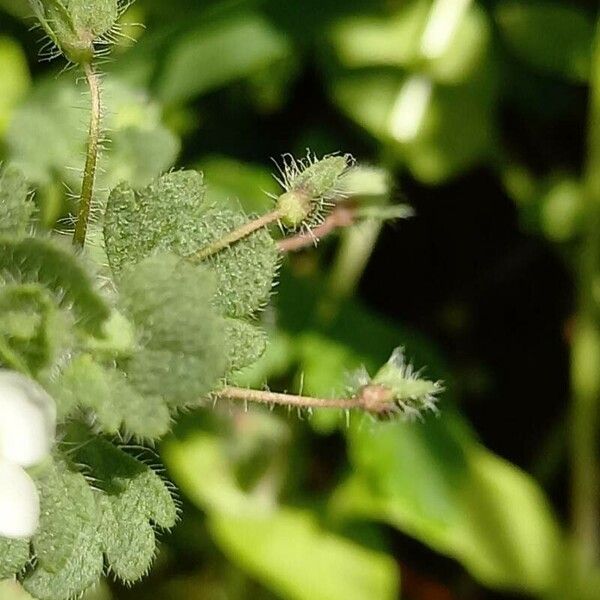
column 74, row 25
column 295, row 206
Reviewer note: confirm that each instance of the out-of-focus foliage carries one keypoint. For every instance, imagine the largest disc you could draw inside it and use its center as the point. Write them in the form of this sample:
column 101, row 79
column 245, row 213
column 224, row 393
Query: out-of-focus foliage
column 15, row 79
column 317, row 507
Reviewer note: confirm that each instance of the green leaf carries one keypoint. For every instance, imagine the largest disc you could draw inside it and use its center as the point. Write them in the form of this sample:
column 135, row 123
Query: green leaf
column 183, row 353
column 15, row 79
column 30, row 327
column 171, row 214
column 162, row 215
column 234, row 184
column 82, row 570
column 69, row 556
column 44, row 261
column 16, row 207
column 128, row 538
column 217, row 52
column 369, row 40
column 18, row 8
column 67, row 507
column 246, row 343
column 551, row 37
column 442, row 143
column 118, row 338
column 282, row 548
column 116, row 405
column 398, row 40
column 47, row 135
column 276, row 362
column 133, row 497
column 433, row 482
column 202, row 467
column 245, row 270
column 15, row 554
column 140, row 152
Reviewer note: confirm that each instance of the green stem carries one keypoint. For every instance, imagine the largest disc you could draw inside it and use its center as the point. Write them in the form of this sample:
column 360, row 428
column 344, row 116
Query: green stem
column 236, row 235
column 291, row 400
column 585, row 357
column 91, row 158
column 371, row 398
column 343, row 215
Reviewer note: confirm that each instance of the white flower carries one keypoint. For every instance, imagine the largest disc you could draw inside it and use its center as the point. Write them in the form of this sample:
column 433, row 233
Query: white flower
column 19, row 503
column 27, row 432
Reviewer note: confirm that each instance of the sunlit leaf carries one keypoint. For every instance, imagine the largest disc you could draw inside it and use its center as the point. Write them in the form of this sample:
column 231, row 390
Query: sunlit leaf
column 435, row 483
column 217, row 52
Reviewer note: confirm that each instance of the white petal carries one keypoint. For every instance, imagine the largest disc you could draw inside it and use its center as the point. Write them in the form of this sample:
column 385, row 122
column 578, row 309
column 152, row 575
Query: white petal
column 27, row 420
column 19, row 502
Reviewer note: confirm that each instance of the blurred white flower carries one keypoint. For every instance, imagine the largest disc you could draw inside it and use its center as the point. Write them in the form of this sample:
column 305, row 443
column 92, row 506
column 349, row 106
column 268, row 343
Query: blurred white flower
column 19, row 502
column 27, row 433
column 444, row 20
column 410, row 108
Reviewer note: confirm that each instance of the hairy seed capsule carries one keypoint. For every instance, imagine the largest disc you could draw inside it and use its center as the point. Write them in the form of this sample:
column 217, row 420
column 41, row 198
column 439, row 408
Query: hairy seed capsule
column 74, row 25
column 295, row 206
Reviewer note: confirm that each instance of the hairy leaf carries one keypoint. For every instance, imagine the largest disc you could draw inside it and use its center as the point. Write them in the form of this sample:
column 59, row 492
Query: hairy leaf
column 133, row 496
column 115, row 404
column 67, row 508
column 159, row 216
column 171, row 214
column 128, row 538
column 246, row 343
column 44, row 261
column 16, row 207
column 245, row 270
column 30, row 327
column 82, row 570
column 184, row 350
column 15, row 554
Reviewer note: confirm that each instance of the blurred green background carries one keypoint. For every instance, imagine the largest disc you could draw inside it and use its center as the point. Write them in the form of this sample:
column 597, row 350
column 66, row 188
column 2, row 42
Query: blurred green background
column 477, row 113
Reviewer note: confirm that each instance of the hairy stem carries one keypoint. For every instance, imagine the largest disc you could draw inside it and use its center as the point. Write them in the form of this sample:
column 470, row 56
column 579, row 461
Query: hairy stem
column 371, row 398
column 264, row 397
column 236, row 235
column 585, row 356
column 343, row 215
column 91, row 158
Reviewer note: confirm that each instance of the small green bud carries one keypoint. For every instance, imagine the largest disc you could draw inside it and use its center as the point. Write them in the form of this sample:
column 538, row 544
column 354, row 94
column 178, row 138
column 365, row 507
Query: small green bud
column 398, row 382
column 295, row 207
column 310, row 184
column 74, row 25
column 396, row 389
column 320, row 178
